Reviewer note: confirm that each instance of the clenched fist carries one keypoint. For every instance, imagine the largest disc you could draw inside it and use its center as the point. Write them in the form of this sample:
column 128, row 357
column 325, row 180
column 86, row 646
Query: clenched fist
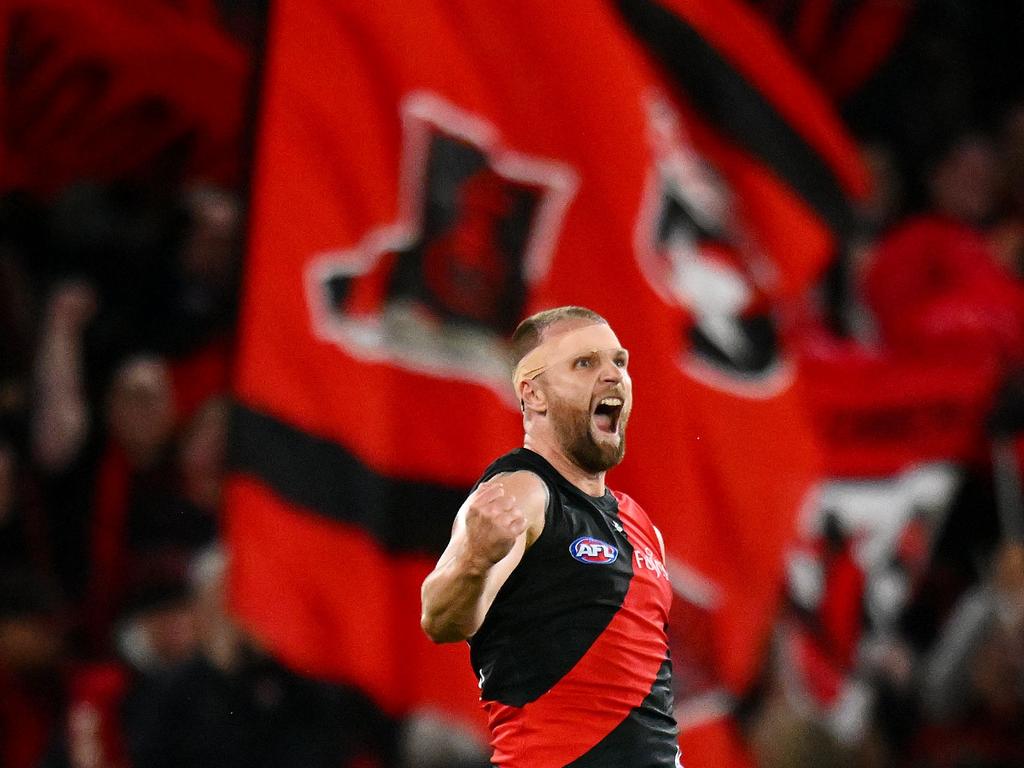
column 493, row 521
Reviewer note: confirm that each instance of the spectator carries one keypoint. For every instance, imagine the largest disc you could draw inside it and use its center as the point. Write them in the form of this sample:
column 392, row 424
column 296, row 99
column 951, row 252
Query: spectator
column 139, row 509
column 31, row 674
column 113, row 486
column 201, row 451
column 1008, row 234
column 23, row 537
column 973, row 679
column 231, row 705
column 934, row 284
column 109, row 701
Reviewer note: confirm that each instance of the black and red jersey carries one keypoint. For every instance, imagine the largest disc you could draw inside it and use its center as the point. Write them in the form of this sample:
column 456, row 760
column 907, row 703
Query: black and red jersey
column 572, row 657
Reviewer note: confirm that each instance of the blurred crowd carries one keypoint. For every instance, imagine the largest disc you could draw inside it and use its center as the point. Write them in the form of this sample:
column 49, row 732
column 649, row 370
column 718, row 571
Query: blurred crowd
column 115, row 645
column 118, row 307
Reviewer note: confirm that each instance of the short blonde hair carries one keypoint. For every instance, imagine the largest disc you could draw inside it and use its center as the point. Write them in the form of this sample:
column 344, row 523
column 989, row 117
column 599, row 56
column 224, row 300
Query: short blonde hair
column 529, row 332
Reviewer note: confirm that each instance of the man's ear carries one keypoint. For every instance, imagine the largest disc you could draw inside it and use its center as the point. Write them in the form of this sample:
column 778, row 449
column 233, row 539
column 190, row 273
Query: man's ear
column 532, row 397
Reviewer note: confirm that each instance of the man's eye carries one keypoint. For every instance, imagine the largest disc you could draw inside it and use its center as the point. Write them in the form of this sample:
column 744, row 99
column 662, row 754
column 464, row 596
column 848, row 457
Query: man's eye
column 621, row 362
column 583, row 362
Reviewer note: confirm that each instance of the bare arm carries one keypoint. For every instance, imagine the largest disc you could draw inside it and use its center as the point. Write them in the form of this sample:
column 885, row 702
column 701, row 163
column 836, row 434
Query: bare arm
column 61, row 418
column 492, row 530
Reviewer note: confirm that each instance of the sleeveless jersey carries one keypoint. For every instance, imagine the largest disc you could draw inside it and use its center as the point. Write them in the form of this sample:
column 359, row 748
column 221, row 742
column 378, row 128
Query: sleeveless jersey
column 572, row 657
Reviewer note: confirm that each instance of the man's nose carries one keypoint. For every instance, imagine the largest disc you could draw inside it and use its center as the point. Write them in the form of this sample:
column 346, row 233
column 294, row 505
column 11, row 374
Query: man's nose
column 610, row 371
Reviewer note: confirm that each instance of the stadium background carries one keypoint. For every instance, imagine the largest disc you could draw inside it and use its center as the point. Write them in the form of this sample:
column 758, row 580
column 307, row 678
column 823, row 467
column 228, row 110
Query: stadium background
column 256, row 264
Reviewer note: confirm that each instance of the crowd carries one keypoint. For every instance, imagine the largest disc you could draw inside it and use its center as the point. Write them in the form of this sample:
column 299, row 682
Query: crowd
column 916, row 660
column 118, row 308
column 115, row 645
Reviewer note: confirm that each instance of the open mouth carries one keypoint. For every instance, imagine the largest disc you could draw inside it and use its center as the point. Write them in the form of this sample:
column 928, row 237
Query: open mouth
column 606, row 414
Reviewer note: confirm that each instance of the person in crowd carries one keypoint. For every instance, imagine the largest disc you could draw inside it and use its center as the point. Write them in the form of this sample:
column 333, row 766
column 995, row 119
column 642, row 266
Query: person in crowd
column 201, row 456
column 109, row 700
column 32, row 679
column 140, row 510
column 231, row 705
column 1007, row 235
column 934, row 284
column 114, row 492
column 972, row 680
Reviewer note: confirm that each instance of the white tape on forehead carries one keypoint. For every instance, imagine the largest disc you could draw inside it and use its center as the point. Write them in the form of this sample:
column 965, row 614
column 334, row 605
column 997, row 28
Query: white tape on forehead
column 582, row 341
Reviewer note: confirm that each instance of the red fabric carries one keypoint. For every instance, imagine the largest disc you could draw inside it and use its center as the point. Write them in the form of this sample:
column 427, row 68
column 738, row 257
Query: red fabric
column 737, row 512
column 840, row 609
column 743, row 38
column 557, row 99
column 934, row 286
column 27, row 720
column 841, row 53
column 798, row 241
column 108, row 554
column 204, row 374
column 823, row 677
column 107, row 89
column 715, row 744
column 868, row 39
column 338, row 599
column 877, row 414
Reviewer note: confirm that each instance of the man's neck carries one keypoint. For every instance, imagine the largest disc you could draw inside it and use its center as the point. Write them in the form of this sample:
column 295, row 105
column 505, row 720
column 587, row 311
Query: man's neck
column 590, row 484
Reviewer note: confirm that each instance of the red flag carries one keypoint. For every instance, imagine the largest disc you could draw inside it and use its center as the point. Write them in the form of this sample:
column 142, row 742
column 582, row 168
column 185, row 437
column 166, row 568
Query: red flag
column 897, row 434
column 841, row 44
column 793, row 171
column 763, row 123
column 109, row 90
column 427, row 176
column 879, row 414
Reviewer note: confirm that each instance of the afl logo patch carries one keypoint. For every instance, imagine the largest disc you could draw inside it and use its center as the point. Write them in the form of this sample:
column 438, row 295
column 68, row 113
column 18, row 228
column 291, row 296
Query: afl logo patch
column 593, row 551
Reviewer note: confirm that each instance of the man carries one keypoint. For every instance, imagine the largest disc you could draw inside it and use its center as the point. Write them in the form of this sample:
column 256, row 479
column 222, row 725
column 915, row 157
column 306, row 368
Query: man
column 558, row 583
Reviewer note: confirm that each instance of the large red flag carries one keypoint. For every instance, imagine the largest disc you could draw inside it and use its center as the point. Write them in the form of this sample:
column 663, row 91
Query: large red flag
column 426, row 176
column 792, row 172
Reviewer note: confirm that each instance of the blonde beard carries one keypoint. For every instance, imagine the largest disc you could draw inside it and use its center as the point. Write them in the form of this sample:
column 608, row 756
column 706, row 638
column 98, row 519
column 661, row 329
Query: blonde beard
column 572, row 431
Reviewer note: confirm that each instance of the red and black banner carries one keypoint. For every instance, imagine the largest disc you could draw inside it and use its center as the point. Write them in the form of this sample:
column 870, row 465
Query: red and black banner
column 765, row 124
column 878, row 415
column 899, row 436
column 106, row 90
column 841, row 43
column 426, row 176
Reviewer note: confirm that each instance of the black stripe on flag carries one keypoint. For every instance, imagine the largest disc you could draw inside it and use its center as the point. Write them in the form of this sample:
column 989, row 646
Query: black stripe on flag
column 737, row 109
column 319, row 476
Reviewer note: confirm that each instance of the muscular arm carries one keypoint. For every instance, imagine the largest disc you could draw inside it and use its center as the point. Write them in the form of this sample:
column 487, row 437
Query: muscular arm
column 492, row 530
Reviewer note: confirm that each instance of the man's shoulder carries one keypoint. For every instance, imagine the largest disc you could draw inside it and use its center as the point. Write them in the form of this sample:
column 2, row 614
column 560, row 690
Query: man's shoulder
column 524, row 478
column 519, row 460
column 628, row 505
column 531, row 496
column 625, row 499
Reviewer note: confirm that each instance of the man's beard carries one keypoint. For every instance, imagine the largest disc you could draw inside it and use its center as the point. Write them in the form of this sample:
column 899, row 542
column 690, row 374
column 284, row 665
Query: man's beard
column 572, row 428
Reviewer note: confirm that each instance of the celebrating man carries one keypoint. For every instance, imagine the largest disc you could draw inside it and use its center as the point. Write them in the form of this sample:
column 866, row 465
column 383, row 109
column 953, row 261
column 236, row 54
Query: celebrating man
column 558, row 583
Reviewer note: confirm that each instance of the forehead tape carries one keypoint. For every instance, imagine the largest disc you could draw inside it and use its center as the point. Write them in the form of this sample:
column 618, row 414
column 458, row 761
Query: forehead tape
column 582, row 341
